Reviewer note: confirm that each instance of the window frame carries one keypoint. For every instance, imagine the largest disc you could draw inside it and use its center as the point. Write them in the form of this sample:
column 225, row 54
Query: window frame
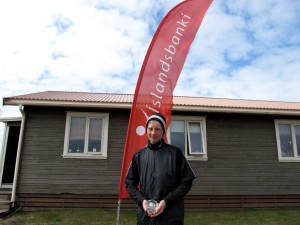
column 202, row 156
column 104, row 135
column 189, row 149
column 292, row 123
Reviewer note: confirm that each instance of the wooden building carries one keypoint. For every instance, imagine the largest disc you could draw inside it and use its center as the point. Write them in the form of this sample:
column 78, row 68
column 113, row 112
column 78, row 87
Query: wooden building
column 246, row 153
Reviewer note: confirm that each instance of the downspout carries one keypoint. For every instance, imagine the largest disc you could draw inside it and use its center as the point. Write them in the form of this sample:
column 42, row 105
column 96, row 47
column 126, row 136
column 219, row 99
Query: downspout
column 16, row 173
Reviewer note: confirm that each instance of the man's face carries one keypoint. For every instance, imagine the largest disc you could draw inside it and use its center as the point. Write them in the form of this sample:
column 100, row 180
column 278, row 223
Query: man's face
column 154, row 131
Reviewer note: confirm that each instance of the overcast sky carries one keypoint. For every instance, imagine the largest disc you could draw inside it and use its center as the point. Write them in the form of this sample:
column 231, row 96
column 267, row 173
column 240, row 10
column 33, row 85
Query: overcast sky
column 247, row 49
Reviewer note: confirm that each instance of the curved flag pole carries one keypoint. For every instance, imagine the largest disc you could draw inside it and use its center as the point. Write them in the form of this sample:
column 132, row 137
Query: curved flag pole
column 159, row 74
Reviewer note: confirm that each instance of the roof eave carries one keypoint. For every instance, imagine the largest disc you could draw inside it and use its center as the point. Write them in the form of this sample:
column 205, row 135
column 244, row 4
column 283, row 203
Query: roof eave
column 10, row 119
column 236, row 110
column 128, row 105
column 70, row 104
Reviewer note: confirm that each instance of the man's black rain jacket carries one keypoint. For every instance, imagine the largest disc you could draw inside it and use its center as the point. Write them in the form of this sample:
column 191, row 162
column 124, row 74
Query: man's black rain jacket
column 160, row 172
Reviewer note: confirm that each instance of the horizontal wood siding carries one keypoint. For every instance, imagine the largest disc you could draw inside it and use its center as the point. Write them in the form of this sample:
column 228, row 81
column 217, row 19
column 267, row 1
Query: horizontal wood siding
column 43, row 170
column 31, row 202
column 242, row 160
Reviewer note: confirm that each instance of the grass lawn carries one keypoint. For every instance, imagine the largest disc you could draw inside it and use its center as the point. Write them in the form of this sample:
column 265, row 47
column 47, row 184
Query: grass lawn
column 127, row 217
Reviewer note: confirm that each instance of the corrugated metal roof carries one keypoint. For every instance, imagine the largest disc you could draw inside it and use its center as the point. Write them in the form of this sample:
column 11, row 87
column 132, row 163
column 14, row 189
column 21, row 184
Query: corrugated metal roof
column 74, row 97
column 186, row 103
column 237, row 103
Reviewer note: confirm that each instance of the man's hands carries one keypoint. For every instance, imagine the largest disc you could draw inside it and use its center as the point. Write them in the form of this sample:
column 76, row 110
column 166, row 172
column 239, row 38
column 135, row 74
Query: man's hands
column 145, row 205
column 159, row 208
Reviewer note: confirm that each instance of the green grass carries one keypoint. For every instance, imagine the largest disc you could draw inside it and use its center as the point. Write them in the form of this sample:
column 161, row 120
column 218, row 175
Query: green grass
column 245, row 217
column 127, row 217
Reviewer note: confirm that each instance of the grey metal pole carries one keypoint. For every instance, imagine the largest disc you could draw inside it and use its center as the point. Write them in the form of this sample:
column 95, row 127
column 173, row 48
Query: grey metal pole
column 118, row 212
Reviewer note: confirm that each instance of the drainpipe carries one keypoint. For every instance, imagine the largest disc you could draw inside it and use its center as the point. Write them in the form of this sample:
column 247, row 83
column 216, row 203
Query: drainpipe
column 14, row 188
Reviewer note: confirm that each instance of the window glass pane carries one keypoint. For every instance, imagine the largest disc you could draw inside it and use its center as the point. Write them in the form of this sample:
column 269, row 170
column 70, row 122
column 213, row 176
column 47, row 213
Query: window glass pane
column 286, row 140
column 196, row 145
column 95, row 134
column 77, row 134
column 297, row 131
column 177, row 134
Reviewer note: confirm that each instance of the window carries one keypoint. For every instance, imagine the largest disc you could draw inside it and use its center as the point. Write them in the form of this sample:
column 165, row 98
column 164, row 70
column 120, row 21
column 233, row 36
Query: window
column 288, row 139
column 86, row 135
column 189, row 134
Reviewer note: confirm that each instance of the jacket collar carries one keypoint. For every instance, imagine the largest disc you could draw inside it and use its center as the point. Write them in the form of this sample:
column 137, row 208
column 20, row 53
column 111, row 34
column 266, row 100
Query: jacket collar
column 155, row 146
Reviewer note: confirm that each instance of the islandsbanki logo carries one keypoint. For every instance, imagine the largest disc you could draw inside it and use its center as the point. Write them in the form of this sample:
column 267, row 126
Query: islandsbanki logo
column 162, row 89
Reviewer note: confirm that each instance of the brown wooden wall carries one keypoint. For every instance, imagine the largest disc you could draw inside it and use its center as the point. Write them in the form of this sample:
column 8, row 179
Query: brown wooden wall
column 43, row 170
column 242, row 158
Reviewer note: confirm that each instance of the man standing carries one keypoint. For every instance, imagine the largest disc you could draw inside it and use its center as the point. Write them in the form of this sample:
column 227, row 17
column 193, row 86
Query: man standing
column 159, row 172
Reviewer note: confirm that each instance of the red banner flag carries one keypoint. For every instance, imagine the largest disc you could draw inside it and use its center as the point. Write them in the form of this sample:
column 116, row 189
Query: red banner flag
column 159, row 74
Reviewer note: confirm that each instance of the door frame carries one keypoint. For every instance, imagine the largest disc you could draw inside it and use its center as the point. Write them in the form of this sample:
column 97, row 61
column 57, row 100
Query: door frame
column 8, row 123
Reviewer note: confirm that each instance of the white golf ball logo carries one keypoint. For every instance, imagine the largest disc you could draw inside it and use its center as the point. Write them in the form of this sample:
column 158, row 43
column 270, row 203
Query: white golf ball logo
column 140, row 130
